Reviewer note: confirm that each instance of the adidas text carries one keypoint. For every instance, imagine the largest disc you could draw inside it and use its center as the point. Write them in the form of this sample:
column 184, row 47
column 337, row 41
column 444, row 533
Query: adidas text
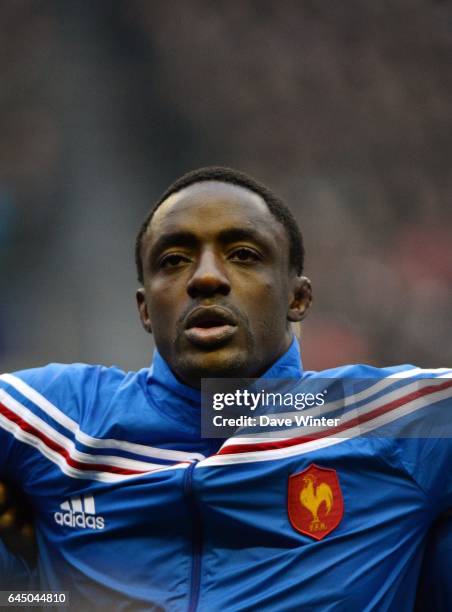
column 84, row 521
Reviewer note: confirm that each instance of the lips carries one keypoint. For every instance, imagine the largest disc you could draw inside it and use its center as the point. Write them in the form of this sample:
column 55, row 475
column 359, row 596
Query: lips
column 210, row 326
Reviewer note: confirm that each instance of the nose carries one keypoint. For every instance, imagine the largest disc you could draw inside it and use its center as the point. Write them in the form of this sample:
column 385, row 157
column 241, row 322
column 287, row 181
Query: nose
column 209, row 277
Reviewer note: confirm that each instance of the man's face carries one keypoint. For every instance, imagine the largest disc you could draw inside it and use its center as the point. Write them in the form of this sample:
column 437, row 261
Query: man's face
column 218, row 294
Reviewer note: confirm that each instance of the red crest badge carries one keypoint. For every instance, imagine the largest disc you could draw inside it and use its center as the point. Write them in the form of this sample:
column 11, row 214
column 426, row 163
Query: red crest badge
column 315, row 504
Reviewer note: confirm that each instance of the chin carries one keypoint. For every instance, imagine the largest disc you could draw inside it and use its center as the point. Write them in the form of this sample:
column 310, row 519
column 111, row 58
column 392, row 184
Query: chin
column 221, row 363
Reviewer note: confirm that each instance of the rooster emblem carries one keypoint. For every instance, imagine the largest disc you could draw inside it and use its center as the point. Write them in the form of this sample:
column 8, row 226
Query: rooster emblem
column 312, row 498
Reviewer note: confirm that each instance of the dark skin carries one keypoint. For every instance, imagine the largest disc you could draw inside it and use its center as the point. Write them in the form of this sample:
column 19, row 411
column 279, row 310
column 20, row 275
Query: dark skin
column 219, row 296
column 219, row 293
column 246, row 278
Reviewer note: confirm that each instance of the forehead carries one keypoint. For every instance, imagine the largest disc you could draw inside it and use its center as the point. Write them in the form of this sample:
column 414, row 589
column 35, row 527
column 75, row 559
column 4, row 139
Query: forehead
column 209, row 207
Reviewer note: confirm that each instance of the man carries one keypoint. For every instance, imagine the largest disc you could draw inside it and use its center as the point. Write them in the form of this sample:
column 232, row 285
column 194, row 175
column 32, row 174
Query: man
column 134, row 508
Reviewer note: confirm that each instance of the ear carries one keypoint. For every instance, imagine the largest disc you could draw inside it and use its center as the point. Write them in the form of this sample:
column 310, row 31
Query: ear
column 301, row 298
column 143, row 310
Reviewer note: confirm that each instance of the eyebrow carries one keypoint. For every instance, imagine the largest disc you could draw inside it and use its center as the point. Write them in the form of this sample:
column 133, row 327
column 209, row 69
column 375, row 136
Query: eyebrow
column 235, row 234
column 182, row 238
column 225, row 236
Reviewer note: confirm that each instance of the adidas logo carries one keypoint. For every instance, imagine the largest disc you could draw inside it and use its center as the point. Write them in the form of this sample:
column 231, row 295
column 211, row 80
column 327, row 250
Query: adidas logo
column 79, row 512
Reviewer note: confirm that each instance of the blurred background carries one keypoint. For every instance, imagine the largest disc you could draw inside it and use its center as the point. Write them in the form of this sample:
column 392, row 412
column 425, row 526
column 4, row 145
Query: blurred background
column 344, row 109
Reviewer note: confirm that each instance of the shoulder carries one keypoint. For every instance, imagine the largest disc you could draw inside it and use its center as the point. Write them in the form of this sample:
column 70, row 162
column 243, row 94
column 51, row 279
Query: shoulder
column 54, row 379
column 65, row 387
column 361, row 370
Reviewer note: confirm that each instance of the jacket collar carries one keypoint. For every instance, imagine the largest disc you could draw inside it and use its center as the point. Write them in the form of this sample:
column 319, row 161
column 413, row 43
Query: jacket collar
column 289, row 365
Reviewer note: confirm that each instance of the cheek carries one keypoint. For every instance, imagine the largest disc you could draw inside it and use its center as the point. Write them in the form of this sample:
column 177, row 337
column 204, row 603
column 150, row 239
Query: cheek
column 165, row 289
column 163, row 298
column 273, row 292
column 267, row 310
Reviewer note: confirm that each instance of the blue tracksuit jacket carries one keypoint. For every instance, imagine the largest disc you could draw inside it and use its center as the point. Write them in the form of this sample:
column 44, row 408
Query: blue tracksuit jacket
column 135, row 510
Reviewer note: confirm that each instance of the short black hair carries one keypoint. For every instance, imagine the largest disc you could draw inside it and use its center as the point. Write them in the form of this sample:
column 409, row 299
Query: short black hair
column 227, row 175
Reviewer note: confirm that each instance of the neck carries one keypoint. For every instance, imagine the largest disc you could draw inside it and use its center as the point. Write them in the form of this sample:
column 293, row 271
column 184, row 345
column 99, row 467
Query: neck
column 288, row 365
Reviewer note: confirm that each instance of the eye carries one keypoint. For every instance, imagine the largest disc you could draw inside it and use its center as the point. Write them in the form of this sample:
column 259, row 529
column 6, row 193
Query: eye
column 245, row 254
column 173, row 260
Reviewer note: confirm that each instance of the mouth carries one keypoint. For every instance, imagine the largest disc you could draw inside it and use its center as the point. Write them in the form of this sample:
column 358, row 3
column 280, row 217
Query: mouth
column 210, row 326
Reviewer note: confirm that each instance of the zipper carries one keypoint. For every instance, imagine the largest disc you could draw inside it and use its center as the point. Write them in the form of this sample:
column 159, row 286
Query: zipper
column 193, row 507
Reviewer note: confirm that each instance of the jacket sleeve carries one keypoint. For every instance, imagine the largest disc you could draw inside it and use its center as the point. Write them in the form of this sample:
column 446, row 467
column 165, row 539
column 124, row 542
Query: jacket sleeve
column 15, row 574
column 421, row 430
column 33, row 405
column 428, row 461
column 17, row 413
